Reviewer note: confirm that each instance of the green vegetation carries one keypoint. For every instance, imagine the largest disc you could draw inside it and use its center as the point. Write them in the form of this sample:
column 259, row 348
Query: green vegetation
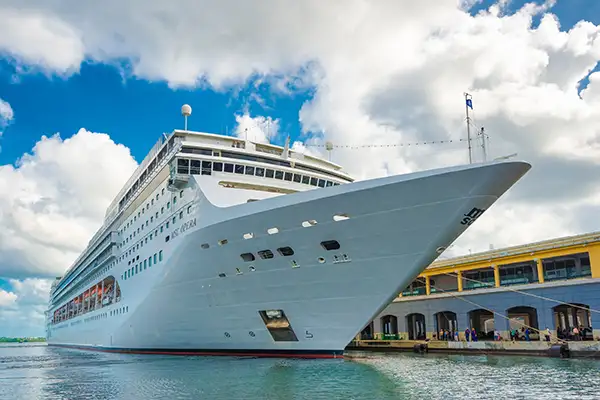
column 21, row 340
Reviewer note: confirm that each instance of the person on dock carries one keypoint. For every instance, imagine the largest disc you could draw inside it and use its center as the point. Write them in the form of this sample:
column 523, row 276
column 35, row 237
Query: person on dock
column 473, row 335
column 467, row 334
column 547, row 334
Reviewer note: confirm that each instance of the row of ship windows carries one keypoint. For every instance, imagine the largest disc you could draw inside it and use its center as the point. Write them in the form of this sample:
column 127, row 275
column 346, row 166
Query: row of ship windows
column 119, row 311
column 142, row 265
column 197, row 167
column 157, row 230
column 148, row 221
column 287, row 251
column 274, row 230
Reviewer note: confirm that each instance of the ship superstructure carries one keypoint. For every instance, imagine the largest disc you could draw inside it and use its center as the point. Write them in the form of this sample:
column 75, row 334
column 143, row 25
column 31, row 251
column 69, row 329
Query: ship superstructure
column 220, row 245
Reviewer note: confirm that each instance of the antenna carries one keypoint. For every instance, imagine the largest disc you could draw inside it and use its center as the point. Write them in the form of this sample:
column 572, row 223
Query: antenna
column 483, row 144
column 468, row 103
column 186, row 111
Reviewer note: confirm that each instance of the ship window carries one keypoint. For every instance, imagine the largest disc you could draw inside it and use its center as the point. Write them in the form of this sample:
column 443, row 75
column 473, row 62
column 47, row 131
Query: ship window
column 155, row 257
column 309, row 223
column 167, row 238
column 160, row 255
column 206, row 167
column 340, row 217
column 322, row 183
column 329, row 183
column 168, row 205
column 305, row 179
column 205, row 246
column 136, row 269
column 297, row 178
column 285, row 251
column 195, row 167
column 259, row 171
column 288, row 176
column 222, row 242
column 272, row 231
column 216, row 153
column 162, row 210
column 156, row 215
column 249, row 170
column 194, row 150
column 330, row 244
column 218, row 166
column 248, row 257
column 222, row 275
column 313, row 181
column 278, row 174
column 270, row 173
column 248, row 235
column 149, row 261
column 239, row 169
column 181, row 194
column 228, row 167
column 145, row 263
column 174, row 219
column 189, row 209
column 265, row 254
column 183, row 166
column 152, row 219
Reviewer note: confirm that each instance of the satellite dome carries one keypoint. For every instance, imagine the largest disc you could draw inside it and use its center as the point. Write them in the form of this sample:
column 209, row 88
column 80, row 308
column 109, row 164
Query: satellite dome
column 186, row 110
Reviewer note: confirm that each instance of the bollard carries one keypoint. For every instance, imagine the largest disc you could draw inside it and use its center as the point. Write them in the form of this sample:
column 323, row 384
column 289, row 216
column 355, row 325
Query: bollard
column 559, row 351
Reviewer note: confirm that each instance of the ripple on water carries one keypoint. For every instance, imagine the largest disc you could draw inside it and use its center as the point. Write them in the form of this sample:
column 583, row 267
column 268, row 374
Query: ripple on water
column 39, row 372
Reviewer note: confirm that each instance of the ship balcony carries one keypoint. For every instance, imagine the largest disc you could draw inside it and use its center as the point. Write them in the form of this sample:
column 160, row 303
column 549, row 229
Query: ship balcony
column 177, row 182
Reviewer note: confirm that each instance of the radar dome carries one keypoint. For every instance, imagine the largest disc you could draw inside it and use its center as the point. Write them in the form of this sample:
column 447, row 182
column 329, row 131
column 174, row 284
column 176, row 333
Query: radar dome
column 186, row 110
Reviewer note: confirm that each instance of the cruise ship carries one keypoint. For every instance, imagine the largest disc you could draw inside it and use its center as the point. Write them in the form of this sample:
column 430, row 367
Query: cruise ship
column 218, row 245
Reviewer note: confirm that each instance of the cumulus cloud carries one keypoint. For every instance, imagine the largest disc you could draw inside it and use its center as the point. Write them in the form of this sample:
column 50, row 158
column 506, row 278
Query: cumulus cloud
column 22, row 308
column 53, row 200
column 6, row 113
column 257, row 129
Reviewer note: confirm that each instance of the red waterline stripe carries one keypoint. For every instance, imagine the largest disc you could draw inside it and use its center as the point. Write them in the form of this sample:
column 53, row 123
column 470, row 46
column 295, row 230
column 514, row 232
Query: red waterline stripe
column 205, row 353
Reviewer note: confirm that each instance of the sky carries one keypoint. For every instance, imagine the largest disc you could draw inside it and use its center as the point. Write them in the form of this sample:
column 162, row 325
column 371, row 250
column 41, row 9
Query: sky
column 87, row 88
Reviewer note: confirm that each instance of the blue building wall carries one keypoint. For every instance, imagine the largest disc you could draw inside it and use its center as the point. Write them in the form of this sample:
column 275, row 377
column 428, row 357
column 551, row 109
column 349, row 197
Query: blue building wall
column 499, row 300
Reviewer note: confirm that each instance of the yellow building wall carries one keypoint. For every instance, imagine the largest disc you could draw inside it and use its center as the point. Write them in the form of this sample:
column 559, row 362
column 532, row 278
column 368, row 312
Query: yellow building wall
column 593, row 249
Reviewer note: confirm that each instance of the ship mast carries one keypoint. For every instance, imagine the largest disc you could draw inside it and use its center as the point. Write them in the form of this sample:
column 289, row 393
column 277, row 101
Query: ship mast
column 469, row 104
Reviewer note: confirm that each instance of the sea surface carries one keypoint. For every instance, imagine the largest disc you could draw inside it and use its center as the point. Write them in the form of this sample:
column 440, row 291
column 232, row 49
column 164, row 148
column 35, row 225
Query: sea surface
column 35, row 371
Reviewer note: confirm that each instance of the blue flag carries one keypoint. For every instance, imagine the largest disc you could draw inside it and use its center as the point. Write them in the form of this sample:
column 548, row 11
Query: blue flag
column 470, row 103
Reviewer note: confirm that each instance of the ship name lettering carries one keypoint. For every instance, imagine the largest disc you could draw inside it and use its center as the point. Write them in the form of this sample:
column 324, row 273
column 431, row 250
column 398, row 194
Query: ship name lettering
column 471, row 216
column 186, row 225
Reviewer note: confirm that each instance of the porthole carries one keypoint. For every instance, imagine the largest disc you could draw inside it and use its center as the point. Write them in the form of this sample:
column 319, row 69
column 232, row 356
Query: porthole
column 252, row 334
column 340, row 217
column 330, row 244
column 294, row 264
column 285, row 251
column 248, row 257
column 251, row 268
column 309, row 223
column 222, row 242
column 222, row 275
column 321, row 260
column 265, row 254
column 248, row 235
column 272, row 231
column 205, row 245
column 227, row 335
column 238, row 271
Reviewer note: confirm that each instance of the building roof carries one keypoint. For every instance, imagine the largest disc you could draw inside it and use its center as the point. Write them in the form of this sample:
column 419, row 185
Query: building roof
column 532, row 248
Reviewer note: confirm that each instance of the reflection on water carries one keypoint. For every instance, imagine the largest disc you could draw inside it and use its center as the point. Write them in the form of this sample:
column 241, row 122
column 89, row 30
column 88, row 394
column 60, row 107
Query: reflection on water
column 40, row 372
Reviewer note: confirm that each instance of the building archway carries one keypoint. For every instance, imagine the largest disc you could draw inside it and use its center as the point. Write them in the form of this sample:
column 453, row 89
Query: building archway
column 483, row 322
column 415, row 323
column 446, row 320
column 522, row 318
column 567, row 317
column 367, row 332
column 389, row 325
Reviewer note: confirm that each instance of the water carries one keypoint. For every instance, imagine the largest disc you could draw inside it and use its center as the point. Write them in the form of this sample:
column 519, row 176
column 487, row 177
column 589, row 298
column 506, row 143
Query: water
column 41, row 372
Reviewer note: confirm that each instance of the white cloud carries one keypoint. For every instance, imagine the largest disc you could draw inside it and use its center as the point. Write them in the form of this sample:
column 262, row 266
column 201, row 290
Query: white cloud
column 6, row 113
column 22, row 308
column 53, row 200
column 258, row 129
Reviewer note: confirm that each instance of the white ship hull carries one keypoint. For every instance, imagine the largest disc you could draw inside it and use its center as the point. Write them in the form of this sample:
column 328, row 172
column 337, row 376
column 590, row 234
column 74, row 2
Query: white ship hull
column 396, row 227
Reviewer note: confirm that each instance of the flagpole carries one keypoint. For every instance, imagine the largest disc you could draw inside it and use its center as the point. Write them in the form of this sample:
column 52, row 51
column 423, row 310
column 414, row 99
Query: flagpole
column 467, row 95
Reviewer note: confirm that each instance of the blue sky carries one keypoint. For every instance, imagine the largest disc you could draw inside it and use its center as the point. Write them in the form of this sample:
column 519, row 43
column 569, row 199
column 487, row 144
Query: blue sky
column 135, row 112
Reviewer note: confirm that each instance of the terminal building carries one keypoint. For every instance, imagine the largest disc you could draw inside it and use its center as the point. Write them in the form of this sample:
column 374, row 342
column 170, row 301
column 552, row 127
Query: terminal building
column 553, row 284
